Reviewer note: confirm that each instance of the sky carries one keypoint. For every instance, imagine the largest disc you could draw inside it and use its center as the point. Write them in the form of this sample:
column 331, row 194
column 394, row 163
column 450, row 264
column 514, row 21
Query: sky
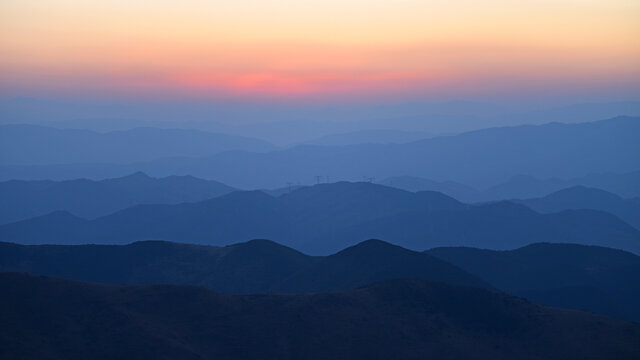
column 293, row 52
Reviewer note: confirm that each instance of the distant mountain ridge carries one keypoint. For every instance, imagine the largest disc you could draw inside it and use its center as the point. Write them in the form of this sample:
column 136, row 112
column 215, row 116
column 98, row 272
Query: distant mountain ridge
column 626, row 185
column 580, row 197
column 282, row 125
column 91, row 199
column 328, row 217
column 39, row 145
column 575, row 197
column 570, row 150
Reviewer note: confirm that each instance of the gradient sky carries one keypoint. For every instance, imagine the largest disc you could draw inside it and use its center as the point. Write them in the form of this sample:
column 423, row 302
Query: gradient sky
column 320, row 49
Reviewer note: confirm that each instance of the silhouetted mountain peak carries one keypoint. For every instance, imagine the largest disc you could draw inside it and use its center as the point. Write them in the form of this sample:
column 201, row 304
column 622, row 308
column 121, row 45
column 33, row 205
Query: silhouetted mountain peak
column 135, row 178
column 162, row 243
column 59, row 215
column 262, row 245
column 373, row 260
column 359, row 197
column 342, row 187
column 373, row 247
column 136, row 175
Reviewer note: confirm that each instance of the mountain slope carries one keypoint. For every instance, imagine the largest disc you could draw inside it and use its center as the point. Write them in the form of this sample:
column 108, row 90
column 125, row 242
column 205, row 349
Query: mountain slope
column 457, row 191
column 90, row 199
column 372, row 261
column 585, row 277
column 396, row 319
column 580, row 197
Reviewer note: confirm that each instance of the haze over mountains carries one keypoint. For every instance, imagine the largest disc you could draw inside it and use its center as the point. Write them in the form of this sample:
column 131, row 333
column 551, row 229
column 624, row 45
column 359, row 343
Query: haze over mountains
column 626, row 185
column 30, row 144
column 573, row 197
column 328, row 217
column 319, row 243
column 319, row 180
column 286, row 125
column 570, row 150
column 23, row 199
column 90, row 199
column 580, row 197
column 369, row 137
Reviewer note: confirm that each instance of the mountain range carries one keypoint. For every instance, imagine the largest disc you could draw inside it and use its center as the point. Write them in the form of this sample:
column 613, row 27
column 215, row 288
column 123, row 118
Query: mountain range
column 286, row 125
column 90, row 199
column 251, row 267
column 580, row 197
column 591, row 278
column 325, row 218
column 407, row 319
column 625, row 185
column 85, row 198
column 480, row 158
column 23, row 199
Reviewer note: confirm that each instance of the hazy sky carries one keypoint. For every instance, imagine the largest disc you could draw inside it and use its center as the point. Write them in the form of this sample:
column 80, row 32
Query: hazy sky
column 320, row 49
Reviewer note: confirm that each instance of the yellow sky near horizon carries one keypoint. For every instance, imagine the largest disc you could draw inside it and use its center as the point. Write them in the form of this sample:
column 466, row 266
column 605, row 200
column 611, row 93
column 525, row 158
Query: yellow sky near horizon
column 315, row 47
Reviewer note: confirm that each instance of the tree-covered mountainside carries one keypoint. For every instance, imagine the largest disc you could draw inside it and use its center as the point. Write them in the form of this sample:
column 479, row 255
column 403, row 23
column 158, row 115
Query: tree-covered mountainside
column 407, row 319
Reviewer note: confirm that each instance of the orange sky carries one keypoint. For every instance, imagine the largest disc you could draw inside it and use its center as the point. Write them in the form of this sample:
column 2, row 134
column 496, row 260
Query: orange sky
column 313, row 48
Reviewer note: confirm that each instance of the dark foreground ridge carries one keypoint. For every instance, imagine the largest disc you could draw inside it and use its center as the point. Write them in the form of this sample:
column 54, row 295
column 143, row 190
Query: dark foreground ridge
column 402, row 319
column 250, row 267
column 590, row 278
